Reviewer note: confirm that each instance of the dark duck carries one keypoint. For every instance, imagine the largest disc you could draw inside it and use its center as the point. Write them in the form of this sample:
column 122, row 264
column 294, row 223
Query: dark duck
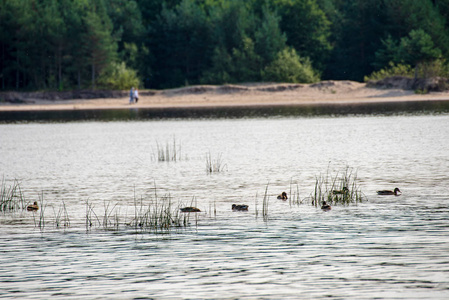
column 239, row 207
column 283, row 196
column 395, row 192
column 325, row 206
column 190, row 209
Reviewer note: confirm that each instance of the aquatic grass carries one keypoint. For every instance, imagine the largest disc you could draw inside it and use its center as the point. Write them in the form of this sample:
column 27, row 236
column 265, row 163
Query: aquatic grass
column 110, row 220
column 90, row 215
column 159, row 215
column 214, row 165
column 169, row 152
column 265, row 204
column 294, row 198
column 341, row 188
column 11, row 197
column 41, row 222
column 62, row 217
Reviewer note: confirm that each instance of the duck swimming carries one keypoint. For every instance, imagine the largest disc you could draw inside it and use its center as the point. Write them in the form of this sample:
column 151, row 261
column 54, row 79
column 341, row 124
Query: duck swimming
column 326, row 206
column 190, row 209
column 386, row 192
column 283, row 196
column 341, row 192
column 33, row 207
column 239, row 207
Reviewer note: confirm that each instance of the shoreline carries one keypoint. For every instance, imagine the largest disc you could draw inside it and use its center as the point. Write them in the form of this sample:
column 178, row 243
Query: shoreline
column 256, row 95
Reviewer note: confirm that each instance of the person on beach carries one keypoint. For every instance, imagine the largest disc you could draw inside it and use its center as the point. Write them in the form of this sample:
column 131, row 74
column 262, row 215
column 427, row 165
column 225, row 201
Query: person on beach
column 136, row 95
column 131, row 96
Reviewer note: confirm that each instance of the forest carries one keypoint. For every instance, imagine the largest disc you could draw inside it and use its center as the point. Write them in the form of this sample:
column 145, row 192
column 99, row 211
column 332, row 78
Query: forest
column 159, row 44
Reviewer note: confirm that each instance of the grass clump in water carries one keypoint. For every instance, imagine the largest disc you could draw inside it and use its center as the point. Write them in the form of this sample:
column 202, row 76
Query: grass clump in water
column 214, row 165
column 11, row 197
column 341, row 188
column 169, row 152
column 159, row 215
column 62, row 217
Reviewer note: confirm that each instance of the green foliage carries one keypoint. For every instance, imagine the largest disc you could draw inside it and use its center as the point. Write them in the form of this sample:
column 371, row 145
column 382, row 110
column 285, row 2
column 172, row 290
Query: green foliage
column 118, row 77
column 307, row 29
column 221, row 66
column 246, row 62
column 269, row 39
column 391, row 70
column 418, row 47
column 66, row 44
column 289, row 67
column 181, row 41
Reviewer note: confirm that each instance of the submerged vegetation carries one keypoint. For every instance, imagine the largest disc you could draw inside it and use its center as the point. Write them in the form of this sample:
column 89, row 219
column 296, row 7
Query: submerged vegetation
column 156, row 214
column 11, row 197
column 214, row 165
column 341, row 188
column 169, row 152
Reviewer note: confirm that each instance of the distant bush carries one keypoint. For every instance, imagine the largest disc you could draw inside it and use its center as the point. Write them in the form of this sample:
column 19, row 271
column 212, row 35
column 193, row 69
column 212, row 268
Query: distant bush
column 118, row 77
column 290, row 67
column 391, row 70
column 435, row 68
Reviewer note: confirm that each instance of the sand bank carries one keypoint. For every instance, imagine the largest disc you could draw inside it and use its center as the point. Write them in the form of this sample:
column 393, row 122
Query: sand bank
column 326, row 92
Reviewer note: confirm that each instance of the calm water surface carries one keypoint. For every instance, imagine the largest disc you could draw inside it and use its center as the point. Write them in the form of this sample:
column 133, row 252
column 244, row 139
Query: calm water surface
column 386, row 247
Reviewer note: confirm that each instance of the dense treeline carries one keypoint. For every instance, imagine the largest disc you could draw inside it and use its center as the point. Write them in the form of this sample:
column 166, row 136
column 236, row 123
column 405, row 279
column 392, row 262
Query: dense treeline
column 70, row 44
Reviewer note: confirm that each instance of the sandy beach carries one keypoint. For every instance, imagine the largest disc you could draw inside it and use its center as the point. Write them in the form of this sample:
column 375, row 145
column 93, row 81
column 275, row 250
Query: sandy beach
column 325, row 92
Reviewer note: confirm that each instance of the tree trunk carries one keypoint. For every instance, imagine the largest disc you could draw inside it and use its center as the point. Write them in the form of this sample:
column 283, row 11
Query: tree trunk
column 79, row 79
column 3, row 69
column 59, row 67
column 17, row 72
column 93, row 76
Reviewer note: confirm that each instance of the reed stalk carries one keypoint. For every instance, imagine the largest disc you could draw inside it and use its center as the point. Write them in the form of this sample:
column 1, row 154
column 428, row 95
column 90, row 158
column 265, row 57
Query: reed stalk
column 265, row 204
column 42, row 206
column 255, row 206
column 214, row 165
column 169, row 152
column 342, row 188
column 159, row 215
column 62, row 217
column 109, row 221
column 11, row 197
column 90, row 215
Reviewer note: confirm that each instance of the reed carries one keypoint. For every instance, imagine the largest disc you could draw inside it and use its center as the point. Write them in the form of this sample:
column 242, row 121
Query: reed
column 62, row 217
column 91, row 216
column 214, row 165
column 11, row 197
column 41, row 222
column 110, row 220
column 159, row 215
column 256, row 209
column 265, row 204
column 294, row 198
column 341, row 188
column 169, row 152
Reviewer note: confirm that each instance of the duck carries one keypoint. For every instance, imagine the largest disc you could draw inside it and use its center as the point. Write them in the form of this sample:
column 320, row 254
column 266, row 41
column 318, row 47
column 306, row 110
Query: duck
column 239, row 207
column 283, row 196
column 190, row 209
column 386, row 192
column 326, row 206
column 343, row 191
column 33, row 207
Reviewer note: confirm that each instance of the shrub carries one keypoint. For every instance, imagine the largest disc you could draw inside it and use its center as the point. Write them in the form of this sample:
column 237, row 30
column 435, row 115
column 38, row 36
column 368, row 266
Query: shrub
column 290, row 67
column 391, row 70
column 118, row 77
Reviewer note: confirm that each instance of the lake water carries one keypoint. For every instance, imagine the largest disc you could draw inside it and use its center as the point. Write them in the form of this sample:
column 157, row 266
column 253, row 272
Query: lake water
column 385, row 247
